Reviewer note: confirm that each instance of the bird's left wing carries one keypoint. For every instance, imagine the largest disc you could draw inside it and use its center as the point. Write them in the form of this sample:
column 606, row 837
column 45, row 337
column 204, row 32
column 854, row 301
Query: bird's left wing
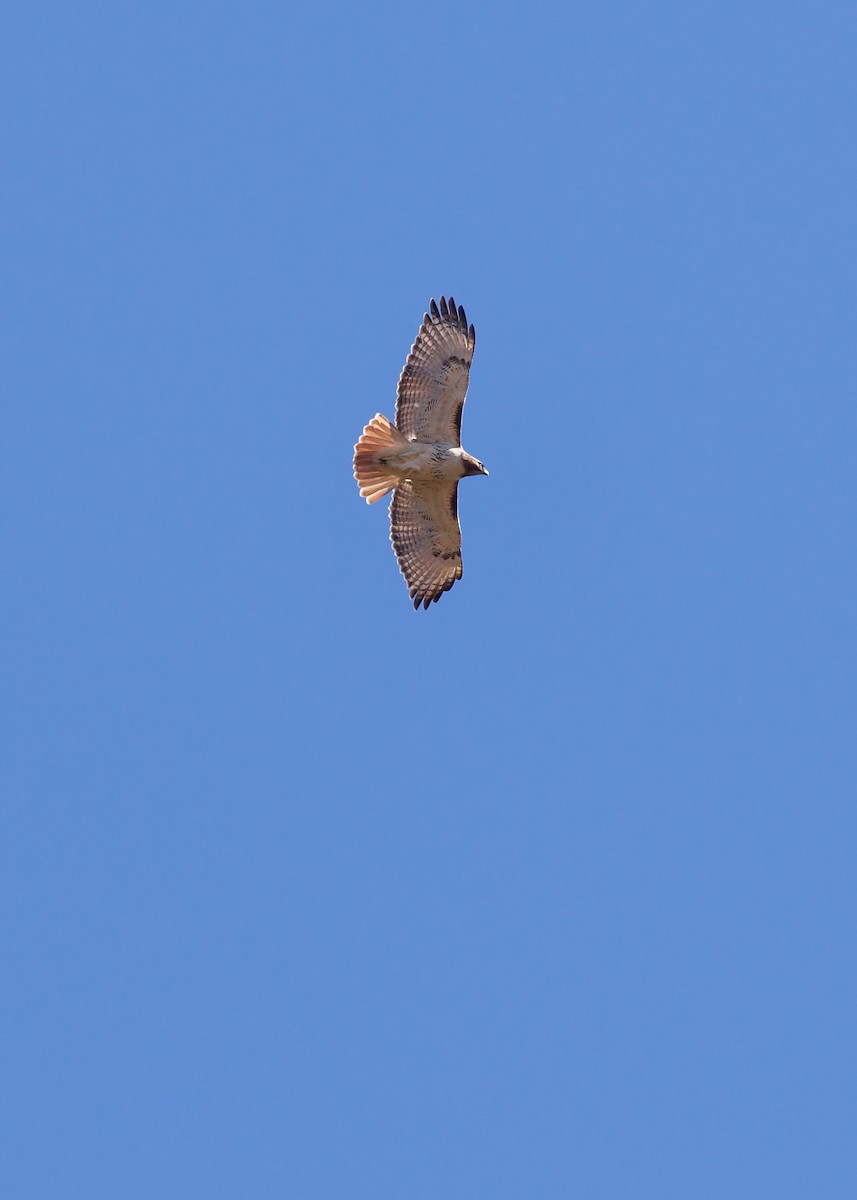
column 434, row 379
column 426, row 537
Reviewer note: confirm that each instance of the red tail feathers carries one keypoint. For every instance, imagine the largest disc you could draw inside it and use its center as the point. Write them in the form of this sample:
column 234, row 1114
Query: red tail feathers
column 374, row 477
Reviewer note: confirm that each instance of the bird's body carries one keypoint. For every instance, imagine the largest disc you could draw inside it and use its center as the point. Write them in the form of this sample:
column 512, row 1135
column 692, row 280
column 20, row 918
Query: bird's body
column 420, row 458
column 431, row 462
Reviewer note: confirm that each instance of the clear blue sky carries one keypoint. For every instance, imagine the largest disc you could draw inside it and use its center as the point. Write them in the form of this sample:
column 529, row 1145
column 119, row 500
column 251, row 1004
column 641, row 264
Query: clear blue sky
column 547, row 892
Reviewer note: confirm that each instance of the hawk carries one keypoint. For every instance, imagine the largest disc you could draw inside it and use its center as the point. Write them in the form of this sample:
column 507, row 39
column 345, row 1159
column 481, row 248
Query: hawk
column 420, row 458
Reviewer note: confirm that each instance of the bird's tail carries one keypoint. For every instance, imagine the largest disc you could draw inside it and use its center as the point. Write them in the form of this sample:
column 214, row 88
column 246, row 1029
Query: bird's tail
column 374, row 477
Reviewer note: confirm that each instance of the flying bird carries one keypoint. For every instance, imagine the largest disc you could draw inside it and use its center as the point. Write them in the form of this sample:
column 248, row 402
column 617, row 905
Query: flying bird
column 420, row 459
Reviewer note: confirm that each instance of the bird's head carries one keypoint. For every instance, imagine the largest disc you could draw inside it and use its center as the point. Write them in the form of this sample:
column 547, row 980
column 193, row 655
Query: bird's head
column 472, row 466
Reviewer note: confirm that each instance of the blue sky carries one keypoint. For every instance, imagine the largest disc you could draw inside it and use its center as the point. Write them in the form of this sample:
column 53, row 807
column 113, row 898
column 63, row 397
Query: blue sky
column 547, row 891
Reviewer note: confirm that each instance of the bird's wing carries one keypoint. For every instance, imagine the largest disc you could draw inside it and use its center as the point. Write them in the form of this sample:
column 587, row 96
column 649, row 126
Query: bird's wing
column 433, row 382
column 426, row 537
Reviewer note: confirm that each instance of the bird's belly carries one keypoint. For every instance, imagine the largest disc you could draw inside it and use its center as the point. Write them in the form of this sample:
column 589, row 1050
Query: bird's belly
column 425, row 460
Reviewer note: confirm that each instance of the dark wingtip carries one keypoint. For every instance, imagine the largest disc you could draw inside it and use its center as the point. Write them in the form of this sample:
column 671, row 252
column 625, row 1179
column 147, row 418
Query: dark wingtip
column 454, row 313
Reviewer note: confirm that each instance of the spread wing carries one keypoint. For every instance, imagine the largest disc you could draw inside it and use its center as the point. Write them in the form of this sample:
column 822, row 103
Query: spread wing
column 426, row 537
column 433, row 382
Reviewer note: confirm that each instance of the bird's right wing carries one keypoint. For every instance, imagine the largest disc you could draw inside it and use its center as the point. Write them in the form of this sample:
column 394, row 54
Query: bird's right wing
column 434, row 379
